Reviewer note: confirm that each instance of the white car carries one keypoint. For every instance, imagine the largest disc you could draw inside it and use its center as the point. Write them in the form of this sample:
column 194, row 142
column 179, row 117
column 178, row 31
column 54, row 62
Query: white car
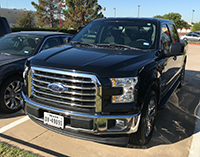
column 192, row 36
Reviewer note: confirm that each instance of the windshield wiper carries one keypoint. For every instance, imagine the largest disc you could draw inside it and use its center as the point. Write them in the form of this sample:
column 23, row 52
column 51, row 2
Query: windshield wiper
column 119, row 45
column 83, row 43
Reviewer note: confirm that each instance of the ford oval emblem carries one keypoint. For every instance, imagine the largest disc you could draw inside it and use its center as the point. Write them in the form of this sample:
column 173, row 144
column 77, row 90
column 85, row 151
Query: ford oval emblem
column 57, row 87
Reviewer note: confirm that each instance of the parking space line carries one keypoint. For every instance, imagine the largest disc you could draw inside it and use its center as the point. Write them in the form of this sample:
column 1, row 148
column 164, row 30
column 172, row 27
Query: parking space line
column 13, row 124
column 195, row 147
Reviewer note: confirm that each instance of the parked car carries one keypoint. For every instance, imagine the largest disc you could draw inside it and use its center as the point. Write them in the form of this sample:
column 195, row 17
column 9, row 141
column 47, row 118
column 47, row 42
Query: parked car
column 4, row 26
column 192, row 36
column 15, row 48
column 108, row 82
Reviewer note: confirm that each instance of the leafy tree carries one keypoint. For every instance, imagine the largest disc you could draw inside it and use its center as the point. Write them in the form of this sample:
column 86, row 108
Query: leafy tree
column 176, row 18
column 80, row 12
column 26, row 19
column 196, row 27
column 46, row 12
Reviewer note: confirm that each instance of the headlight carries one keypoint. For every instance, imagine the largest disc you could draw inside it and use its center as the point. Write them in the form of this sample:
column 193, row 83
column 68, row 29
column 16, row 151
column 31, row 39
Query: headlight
column 128, row 85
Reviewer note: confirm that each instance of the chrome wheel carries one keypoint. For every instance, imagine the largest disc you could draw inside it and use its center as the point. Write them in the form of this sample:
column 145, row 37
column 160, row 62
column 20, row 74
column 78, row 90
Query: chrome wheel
column 150, row 117
column 12, row 95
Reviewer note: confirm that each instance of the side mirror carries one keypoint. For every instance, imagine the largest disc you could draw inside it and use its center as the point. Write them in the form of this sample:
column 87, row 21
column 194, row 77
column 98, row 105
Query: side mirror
column 176, row 49
column 67, row 39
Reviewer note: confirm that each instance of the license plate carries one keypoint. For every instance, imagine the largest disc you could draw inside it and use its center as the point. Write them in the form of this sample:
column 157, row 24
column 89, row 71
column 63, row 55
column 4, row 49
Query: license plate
column 54, row 120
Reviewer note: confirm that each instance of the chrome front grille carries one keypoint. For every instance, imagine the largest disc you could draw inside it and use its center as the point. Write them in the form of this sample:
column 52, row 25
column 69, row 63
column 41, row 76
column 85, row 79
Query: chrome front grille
column 82, row 90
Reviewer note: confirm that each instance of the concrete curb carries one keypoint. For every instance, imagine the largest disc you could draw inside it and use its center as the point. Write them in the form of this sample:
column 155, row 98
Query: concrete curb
column 194, row 44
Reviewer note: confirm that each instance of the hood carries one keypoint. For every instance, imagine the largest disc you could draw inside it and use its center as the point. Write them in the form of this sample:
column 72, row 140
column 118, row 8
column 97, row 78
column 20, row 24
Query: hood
column 7, row 59
column 102, row 62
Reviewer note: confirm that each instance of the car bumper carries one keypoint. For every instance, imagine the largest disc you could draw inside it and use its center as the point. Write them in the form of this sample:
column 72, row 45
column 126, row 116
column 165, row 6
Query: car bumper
column 110, row 129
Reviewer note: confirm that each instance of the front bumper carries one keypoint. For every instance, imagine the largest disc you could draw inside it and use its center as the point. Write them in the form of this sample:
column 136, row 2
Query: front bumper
column 110, row 129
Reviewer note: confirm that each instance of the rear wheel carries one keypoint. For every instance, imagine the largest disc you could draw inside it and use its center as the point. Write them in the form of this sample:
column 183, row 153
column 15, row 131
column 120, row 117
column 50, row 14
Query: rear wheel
column 147, row 122
column 10, row 95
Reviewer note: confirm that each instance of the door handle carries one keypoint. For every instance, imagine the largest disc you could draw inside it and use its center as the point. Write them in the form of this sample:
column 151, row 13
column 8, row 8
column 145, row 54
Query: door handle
column 175, row 58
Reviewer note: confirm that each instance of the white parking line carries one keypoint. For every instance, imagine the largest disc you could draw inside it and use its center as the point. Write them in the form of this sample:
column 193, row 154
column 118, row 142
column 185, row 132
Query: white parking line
column 13, row 124
column 195, row 146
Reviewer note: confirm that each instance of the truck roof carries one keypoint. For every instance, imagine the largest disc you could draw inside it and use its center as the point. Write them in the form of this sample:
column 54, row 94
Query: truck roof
column 135, row 19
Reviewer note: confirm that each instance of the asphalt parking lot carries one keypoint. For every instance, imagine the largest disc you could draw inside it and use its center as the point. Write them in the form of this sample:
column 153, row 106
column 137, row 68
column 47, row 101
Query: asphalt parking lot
column 173, row 135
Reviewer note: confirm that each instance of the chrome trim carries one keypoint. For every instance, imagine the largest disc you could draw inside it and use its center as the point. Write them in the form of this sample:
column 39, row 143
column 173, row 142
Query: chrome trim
column 131, row 125
column 97, row 93
column 63, row 79
column 62, row 102
column 67, row 92
column 67, row 86
column 64, row 97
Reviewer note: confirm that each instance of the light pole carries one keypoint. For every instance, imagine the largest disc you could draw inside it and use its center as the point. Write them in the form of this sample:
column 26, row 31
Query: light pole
column 192, row 15
column 138, row 10
column 114, row 12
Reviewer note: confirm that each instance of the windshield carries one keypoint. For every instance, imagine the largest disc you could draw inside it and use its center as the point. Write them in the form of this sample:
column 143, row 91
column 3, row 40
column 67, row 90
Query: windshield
column 23, row 45
column 135, row 34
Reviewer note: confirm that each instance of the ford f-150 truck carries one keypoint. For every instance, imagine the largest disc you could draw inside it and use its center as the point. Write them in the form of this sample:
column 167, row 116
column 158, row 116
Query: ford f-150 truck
column 107, row 83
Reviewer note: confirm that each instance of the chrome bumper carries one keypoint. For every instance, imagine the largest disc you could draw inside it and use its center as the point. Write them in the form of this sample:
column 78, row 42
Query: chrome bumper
column 124, row 124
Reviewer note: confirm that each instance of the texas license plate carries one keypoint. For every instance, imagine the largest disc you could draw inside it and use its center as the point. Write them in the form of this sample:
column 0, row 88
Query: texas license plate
column 54, row 120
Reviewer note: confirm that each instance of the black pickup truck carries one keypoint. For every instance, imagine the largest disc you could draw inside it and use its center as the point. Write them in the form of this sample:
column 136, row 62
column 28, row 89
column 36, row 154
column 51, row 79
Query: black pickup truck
column 107, row 83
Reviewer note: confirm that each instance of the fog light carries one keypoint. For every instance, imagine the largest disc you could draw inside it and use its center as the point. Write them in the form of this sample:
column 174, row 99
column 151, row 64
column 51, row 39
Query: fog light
column 116, row 124
column 120, row 122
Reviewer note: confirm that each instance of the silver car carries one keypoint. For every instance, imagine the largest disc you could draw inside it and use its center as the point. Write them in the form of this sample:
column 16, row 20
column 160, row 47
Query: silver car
column 192, row 36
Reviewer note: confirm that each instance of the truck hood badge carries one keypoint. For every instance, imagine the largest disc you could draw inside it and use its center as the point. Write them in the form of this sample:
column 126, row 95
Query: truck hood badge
column 57, row 87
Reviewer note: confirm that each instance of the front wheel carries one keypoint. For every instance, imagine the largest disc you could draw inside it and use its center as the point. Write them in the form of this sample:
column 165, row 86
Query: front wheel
column 10, row 95
column 147, row 121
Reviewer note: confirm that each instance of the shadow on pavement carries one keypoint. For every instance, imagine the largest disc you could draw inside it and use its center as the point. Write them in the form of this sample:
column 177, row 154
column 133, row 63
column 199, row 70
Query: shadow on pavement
column 12, row 115
column 176, row 121
column 51, row 152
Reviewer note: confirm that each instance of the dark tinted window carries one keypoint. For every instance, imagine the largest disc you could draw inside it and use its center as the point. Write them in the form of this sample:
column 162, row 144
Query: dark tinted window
column 18, row 44
column 165, row 39
column 51, row 42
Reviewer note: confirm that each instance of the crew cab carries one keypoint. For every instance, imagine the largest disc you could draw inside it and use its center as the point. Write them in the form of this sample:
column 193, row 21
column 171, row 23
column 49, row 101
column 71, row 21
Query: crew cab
column 107, row 83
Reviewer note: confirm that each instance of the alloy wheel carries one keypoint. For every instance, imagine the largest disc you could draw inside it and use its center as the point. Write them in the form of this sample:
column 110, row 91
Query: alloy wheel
column 12, row 95
column 150, row 117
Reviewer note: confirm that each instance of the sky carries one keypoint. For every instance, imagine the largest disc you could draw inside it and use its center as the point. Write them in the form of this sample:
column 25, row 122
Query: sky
column 129, row 8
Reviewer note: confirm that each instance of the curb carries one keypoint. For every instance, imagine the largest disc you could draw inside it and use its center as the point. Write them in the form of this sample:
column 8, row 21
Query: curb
column 194, row 44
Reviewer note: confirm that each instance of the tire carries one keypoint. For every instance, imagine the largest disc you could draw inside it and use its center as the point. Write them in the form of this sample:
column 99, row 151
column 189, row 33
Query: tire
column 10, row 95
column 182, row 77
column 147, row 121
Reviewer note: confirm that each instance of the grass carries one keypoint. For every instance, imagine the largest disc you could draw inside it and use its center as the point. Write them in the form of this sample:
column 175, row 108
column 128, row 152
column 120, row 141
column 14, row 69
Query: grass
column 10, row 151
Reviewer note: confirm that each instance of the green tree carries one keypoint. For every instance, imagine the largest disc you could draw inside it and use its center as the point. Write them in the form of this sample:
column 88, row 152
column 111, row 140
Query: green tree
column 176, row 18
column 26, row 19
column 47, row 12
column 196, row 27
column 80, row 12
